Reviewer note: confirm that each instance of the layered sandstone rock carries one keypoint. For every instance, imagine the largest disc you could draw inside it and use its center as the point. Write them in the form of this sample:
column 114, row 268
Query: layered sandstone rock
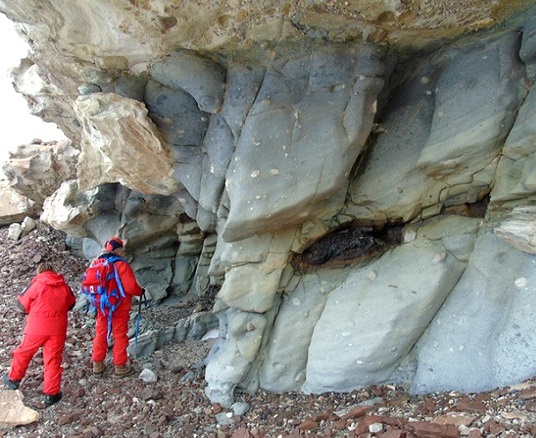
column 354, row 179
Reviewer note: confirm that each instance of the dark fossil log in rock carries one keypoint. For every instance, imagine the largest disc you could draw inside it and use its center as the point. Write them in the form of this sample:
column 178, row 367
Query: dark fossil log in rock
column 351, row 244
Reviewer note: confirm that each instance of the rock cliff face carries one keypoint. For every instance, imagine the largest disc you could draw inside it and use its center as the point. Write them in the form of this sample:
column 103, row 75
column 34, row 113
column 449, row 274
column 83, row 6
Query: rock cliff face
column 354, row 179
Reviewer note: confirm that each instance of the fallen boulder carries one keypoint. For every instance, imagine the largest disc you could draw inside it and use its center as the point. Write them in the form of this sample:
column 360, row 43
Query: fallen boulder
column 13, row 412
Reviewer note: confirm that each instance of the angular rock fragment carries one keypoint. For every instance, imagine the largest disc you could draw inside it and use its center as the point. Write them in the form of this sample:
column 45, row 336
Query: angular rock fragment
column 13, row 412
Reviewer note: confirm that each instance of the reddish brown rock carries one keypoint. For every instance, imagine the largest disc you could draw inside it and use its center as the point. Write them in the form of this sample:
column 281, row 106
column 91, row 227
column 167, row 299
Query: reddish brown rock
column 456, row 420
column 308, row 425
column 340, row 424
column 528, row 393
column 364, row 423
column 356, row 412
column 470, row 406
column 428, row 405
column 242, row 433
column 493, row 427
column 393, row 434
column 321, row 417
column 423, row 429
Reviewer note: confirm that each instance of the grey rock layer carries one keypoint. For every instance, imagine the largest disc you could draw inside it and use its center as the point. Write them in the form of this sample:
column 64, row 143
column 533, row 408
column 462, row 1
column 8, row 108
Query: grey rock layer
column 223, row 146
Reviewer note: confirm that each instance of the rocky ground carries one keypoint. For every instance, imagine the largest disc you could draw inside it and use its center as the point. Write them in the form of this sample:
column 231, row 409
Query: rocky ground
column 176, row 406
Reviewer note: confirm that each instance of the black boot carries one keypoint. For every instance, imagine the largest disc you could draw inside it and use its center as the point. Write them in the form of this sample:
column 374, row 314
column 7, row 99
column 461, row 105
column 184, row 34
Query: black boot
column 52, row 399
column 10, row 384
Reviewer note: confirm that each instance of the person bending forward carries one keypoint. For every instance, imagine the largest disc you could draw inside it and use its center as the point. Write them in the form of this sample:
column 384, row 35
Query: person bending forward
column 46, row 302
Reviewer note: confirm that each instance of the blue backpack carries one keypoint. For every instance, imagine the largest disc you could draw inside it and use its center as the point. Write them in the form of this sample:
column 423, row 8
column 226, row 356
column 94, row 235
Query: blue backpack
column 95, row 285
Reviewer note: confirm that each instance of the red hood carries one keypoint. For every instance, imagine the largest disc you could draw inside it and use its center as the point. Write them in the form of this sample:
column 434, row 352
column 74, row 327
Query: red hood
column 49, row 278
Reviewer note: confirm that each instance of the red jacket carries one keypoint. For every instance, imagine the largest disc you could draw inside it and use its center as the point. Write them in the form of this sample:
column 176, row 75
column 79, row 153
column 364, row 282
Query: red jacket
column 47, row 301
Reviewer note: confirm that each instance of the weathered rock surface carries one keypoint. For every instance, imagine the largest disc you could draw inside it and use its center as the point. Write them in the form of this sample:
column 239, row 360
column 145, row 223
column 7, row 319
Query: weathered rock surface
column 14, row 207
column 243, row 148
column 13, row 412
column 37, row 170
column 146, row 168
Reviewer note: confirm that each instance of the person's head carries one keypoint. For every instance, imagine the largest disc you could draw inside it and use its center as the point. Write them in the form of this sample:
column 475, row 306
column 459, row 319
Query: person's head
column 115, row 244
column 45, row 266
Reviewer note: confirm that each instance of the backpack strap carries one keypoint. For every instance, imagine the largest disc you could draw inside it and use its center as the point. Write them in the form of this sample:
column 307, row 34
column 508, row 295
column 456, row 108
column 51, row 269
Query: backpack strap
column 118, row 281
column 112, row 258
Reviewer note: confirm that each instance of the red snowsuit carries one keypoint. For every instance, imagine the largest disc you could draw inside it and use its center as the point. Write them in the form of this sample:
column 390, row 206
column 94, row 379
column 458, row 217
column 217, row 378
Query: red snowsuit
column 46, row 301
column 120, row 317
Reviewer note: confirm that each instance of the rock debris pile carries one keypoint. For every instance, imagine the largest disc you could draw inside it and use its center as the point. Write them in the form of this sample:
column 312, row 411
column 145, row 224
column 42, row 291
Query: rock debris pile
column 166, row 397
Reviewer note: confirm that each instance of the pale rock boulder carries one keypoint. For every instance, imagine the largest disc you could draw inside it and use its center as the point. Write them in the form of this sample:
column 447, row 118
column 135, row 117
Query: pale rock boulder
column 518, row 229
column 13, row 412
column 242, row 85
column 67, row 210
column 285, row 361
column 202, row 282
column 240, row 339
column 484, row 330
column 466, row 131
column 372, row 320
column 14, row 231
column 199, row 77
column 387, row 187
column 253, row 269
column 13, row 206
column 121, row 144
column 29, row 81
column 327, row 98
column 28, row 224
column 36, row 170
column 516, row 175
column 446, row 130
column 191, row 245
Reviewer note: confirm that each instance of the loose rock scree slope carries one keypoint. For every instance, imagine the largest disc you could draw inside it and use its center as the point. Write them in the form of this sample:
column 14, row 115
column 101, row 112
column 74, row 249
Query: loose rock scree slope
column 176, row 406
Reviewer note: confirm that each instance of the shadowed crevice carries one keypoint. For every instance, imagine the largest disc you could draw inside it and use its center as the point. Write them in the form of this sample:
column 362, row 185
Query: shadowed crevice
column 351, row 244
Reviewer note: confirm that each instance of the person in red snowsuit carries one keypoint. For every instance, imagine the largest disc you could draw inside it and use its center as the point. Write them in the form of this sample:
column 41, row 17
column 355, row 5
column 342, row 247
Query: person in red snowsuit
column 46, row 302
column 120, row 316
